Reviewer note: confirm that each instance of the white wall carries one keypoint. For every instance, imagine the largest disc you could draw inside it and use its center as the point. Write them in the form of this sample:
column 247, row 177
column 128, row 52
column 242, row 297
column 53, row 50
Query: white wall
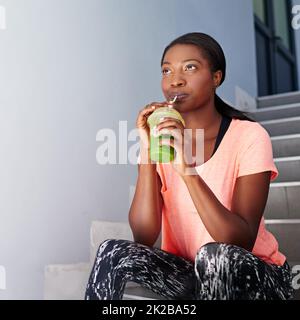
column 67, row 69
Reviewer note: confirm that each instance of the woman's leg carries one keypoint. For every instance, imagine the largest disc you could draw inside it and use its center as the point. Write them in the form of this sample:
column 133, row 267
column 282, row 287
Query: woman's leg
column 230, row 272
column 119, row 261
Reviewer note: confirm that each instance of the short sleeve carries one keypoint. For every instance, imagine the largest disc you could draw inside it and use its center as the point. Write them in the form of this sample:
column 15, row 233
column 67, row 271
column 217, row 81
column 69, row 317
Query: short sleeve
column 256, row 153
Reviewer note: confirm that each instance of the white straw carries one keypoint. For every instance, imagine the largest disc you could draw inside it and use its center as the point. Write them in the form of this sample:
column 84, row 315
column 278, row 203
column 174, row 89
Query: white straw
column 171, row 102
column 174, row 99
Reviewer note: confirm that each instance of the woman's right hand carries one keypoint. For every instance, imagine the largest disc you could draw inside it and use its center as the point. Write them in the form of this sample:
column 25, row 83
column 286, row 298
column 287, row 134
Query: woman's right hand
column 141, row 122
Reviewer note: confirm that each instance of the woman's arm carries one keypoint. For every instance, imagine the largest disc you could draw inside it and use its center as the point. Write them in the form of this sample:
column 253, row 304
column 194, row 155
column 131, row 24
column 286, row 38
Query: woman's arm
column 146, row 207
column 239, row 225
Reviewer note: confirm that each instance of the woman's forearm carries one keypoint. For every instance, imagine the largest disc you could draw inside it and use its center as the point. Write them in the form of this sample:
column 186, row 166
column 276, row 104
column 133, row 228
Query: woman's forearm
column 222, row 225
column 145, row 211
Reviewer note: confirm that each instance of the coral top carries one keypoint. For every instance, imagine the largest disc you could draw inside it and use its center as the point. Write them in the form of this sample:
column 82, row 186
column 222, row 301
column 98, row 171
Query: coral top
column 245, row 149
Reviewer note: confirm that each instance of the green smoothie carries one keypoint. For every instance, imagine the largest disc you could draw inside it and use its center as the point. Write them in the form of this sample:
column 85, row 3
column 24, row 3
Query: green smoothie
column 162, row 153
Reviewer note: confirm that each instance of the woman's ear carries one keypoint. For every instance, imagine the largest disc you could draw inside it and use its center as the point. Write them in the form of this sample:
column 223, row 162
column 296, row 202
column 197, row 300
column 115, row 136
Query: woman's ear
column 217, row 78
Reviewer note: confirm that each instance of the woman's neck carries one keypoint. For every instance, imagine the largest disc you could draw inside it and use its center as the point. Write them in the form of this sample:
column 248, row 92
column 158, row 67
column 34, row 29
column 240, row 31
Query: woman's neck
column 205, row 117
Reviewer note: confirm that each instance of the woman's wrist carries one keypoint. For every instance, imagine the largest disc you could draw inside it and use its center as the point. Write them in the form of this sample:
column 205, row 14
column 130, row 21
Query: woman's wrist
column 145, row 155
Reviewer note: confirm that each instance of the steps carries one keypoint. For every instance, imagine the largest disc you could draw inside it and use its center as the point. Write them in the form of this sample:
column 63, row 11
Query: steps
column 272, row 113
column 66, row 282
column 278, row 127
column 283, row 201
column 286, row 145
column 281, row 99
column 289, row 168
column 286, row 232
column 280, row 116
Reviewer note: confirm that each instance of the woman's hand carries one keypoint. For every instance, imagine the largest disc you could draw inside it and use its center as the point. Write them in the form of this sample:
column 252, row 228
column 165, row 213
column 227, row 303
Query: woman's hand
column 181, row 143
column 141, row 123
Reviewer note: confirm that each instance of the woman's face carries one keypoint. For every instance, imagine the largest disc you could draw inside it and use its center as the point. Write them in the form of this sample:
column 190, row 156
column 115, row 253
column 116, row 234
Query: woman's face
column 187, row 74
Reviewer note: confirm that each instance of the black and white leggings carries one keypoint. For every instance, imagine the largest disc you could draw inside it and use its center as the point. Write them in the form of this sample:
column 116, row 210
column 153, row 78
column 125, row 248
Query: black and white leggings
column 220, row 271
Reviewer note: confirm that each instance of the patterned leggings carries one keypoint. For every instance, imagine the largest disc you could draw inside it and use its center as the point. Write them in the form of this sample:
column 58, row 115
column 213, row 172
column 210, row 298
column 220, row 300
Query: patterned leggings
column 220, row 271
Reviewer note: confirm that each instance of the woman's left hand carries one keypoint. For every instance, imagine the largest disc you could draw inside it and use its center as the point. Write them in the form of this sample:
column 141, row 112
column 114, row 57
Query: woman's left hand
column 176, row 129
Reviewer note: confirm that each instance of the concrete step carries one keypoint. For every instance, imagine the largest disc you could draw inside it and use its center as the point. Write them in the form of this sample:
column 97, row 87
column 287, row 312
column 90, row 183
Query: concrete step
column 284, row 126
column 139, row 293
column 141, row 296
column 278, row 99
column 286, row 145
column 288, row 168
column 66, row 282
column 103, row 230
column 283, row 201
column 287, row 233
column 270, row 113
column 69, row 281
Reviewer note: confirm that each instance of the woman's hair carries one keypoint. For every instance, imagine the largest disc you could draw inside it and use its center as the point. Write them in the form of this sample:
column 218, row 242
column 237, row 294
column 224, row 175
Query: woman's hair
column 212, row 51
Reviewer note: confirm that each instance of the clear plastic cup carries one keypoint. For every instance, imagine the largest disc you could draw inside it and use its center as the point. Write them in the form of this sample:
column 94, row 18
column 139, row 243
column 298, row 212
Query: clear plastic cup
column 161, row 153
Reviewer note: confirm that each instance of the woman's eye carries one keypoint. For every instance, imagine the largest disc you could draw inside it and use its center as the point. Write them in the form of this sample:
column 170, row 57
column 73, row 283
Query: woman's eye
column 164, row 71
column 187, row 67
column 190, row 66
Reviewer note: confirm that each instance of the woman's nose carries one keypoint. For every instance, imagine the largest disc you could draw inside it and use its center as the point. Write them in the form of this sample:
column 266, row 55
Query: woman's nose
column 178, row 82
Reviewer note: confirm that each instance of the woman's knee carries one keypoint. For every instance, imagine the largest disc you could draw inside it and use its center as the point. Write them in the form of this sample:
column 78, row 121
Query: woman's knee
column 216, row 269
column 216, row 255
column 209, row 250
column 109, row 245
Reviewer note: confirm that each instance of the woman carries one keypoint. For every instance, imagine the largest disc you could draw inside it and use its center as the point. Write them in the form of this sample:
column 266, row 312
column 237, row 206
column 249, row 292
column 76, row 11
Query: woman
column 214, row 242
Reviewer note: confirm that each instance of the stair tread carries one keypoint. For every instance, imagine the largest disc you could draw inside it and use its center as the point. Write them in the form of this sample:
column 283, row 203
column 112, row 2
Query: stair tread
column 282, row 221
column 285, row 184
column 278, row 99
column 279, row 95
column 291, row 158
column 275, row 108
column 280, row 120
column 142, row 292
column 285, row 136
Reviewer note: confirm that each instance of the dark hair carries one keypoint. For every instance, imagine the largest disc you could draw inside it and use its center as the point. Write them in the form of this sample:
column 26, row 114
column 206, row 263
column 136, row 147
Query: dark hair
column 213, row 52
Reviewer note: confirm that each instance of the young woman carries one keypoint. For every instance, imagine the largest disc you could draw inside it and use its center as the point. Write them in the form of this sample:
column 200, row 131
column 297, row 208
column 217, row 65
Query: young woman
column 214, row 241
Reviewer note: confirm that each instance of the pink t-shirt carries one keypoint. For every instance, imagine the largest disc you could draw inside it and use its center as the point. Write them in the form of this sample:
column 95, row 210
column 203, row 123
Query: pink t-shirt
column 245, row 149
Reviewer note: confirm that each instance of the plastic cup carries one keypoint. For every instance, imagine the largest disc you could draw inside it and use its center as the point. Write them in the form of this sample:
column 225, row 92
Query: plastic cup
column 161, row 153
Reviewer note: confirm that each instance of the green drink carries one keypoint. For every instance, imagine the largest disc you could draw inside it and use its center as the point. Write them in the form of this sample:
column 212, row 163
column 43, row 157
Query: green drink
column 162, row 153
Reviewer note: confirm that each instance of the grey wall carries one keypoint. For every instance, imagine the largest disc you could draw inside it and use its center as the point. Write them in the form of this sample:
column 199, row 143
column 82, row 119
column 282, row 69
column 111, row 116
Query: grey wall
column 68, row 69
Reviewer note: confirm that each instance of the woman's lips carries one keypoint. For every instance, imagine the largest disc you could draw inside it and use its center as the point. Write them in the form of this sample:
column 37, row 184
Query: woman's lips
column 180, row 97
